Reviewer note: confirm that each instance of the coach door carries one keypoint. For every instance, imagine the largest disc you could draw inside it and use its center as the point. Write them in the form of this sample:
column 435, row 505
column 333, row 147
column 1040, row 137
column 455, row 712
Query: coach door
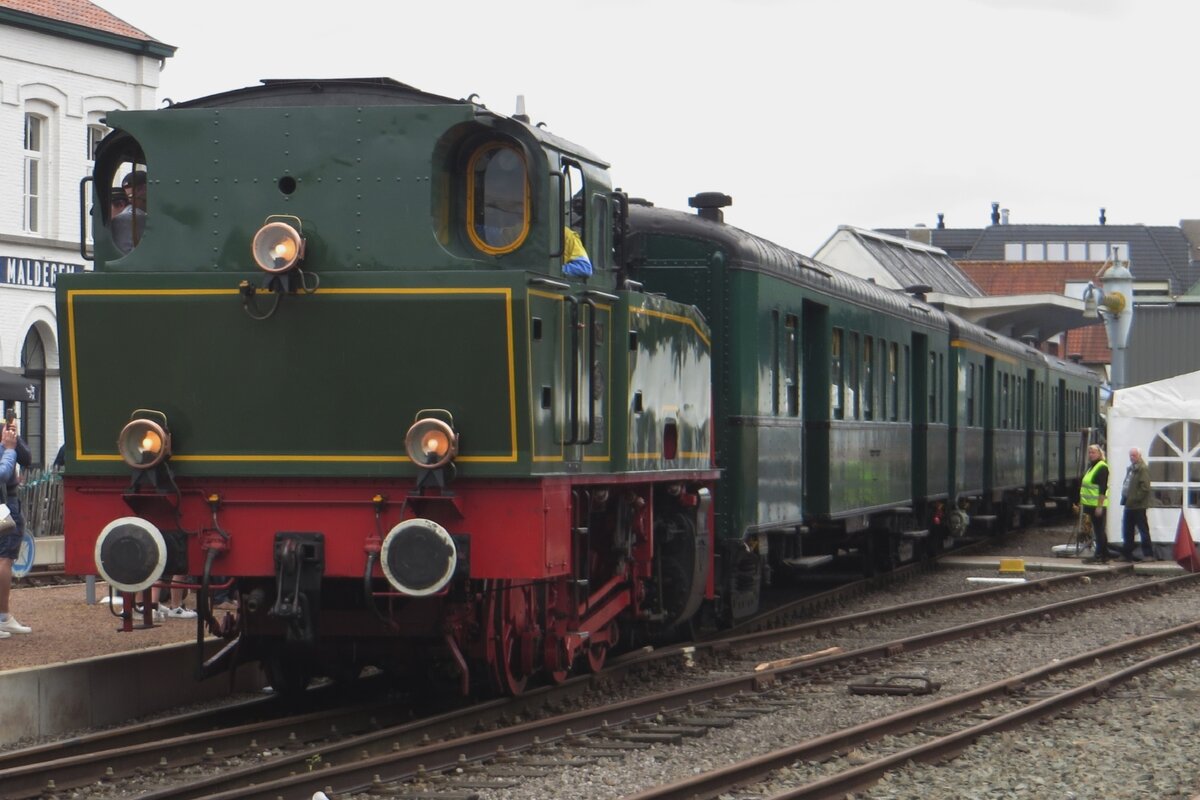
column 820, row 391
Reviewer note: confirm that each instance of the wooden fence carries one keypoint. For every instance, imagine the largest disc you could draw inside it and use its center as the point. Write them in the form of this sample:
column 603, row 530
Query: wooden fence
column 42, row 501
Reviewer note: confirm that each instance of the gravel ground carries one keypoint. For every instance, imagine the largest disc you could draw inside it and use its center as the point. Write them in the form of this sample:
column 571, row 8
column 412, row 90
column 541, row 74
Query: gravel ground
column 1138, row 741
column 66, row 628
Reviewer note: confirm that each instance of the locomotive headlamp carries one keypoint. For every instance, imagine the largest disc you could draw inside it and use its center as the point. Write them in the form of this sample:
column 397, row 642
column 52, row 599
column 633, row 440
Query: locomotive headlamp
column 431, row 443
column 278, row 246
column 144, row 443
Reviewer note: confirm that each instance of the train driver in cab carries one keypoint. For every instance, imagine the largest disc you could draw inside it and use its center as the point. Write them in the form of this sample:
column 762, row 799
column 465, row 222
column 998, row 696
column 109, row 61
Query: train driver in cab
column 127, row 226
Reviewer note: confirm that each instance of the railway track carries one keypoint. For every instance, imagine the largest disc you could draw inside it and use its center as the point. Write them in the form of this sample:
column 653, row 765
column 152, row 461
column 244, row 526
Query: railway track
column 354, row 751
column 851, row 759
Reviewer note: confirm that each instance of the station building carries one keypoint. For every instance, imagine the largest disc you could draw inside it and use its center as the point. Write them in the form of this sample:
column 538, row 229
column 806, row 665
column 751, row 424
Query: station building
column 63, row 65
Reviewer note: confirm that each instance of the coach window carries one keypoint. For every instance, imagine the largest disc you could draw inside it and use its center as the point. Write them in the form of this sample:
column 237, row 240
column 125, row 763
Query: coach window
column 893, row 378
column 868, row 393
column 933, row 387
column 774, row 363
column 791, row 333
column 905, row 380
column 497, row 198
column 1018, row 404
column 837, row 383
column 853, row 408
column 970, row 394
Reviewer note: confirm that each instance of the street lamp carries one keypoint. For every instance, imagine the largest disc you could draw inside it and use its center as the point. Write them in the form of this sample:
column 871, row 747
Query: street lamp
column 1114, row 304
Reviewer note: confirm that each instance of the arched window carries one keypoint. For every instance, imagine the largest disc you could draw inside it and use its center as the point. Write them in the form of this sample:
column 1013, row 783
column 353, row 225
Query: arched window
column 1174, row 461
column 33, row 366
column 497, row 198
column 34, row 183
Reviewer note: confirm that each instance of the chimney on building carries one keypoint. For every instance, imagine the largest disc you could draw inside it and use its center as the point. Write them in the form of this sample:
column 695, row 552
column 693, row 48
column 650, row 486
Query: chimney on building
column 995, row 213
column 921, row 234
column 941, row 221
column 1191, row 232
column 1103, row 219
column 1004, row 216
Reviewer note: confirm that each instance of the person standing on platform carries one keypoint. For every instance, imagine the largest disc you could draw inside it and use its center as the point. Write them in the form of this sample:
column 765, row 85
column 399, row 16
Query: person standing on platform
column 1135, row 496
column 10, row 540
column 1093, row 501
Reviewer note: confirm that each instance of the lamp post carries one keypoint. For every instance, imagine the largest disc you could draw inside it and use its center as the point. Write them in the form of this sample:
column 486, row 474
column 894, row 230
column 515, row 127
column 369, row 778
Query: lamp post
column 1113, row 303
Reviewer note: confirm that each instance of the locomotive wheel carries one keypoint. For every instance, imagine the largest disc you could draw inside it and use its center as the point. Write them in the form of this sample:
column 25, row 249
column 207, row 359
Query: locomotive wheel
column 513, row 638
column 598, row 652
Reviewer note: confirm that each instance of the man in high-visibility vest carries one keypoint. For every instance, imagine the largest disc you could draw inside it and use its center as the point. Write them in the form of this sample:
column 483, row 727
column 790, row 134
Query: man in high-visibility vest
column 1093, row 500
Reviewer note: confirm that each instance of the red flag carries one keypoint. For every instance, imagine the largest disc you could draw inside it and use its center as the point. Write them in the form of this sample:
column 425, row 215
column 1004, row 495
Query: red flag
column 1185, row 548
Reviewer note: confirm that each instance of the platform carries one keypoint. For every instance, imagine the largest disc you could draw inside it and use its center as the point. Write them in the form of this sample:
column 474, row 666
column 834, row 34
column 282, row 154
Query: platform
column 1057, row 564
column 77, row 670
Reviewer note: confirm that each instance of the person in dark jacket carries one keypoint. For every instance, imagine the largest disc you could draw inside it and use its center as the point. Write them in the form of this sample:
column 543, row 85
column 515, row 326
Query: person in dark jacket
column 1135, row 496
column 1093, row 501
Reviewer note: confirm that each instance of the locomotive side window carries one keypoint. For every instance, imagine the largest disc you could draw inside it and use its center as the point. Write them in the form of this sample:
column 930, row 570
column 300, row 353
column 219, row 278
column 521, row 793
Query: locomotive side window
column 497, row 198
column 574, row 214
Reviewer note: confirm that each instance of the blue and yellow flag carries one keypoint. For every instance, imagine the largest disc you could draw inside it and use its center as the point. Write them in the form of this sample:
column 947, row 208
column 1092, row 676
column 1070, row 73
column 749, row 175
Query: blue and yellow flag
column 575, row 258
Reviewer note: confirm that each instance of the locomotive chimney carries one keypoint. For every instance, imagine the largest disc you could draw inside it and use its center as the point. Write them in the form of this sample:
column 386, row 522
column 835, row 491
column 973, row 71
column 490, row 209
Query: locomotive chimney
column 995, row 213
column 1103, row 218
column 709, row 205
column 520, row 115
column 941, row 221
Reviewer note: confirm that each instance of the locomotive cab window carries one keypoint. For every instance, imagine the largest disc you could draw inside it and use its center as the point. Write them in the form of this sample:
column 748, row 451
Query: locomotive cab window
column 122, row 191
column 497, row 198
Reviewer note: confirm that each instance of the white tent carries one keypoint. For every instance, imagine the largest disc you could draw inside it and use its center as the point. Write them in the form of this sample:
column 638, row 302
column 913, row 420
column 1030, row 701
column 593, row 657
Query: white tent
column 1163, row 420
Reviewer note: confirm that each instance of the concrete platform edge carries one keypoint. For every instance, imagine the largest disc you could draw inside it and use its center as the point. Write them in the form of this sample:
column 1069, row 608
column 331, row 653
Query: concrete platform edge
column 109, row 690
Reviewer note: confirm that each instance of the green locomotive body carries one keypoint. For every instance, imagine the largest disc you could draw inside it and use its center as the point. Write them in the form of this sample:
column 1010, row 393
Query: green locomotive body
column 341, row 364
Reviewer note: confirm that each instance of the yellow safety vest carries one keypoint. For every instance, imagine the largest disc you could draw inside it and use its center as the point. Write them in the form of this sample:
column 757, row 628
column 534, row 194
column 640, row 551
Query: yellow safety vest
column 1089, row 490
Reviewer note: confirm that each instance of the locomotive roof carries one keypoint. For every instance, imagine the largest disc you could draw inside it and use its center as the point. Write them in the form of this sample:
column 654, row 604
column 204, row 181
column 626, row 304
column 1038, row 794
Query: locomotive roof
column 753, row 253
column 333, row 92
column 286, row 92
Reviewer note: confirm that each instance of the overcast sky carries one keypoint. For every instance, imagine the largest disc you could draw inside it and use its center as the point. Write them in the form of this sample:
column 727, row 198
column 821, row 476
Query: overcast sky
column 811, row 114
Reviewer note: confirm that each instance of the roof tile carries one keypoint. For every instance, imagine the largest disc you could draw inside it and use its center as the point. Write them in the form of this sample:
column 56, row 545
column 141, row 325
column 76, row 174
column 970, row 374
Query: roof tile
column 78, row 12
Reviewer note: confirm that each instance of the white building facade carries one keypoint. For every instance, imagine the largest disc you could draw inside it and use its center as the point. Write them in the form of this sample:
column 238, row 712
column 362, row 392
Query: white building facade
column 63, row 66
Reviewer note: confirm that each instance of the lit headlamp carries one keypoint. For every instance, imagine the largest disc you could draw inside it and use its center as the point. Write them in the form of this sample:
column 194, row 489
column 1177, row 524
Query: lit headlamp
column 278, row 246
column 144, row 443
column 431, row 443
